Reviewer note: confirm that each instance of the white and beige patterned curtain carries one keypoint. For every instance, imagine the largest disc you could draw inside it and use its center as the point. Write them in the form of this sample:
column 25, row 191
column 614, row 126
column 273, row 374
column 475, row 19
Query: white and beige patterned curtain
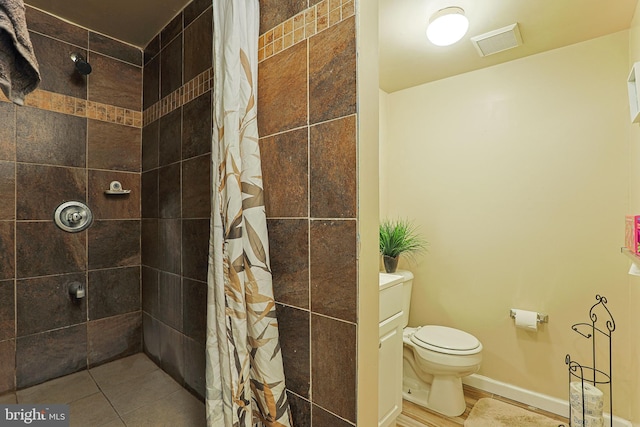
column 245, row 377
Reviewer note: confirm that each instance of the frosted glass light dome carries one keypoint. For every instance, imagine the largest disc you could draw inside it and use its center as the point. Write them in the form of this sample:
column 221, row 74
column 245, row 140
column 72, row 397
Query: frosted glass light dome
column 447, row 26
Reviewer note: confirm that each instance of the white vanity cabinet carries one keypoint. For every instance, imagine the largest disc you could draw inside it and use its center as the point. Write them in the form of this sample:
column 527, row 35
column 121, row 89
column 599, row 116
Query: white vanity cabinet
column 390, row 350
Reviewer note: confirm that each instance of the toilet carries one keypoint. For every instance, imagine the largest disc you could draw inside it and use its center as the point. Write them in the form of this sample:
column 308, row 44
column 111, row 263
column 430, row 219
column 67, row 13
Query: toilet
column 435, row 358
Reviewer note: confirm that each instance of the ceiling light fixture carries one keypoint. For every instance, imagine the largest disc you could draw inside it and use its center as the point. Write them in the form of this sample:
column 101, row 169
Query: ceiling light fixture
column 447, row 26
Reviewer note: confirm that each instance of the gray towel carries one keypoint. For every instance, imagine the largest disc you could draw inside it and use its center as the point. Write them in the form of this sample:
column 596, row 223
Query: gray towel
column 19, row 73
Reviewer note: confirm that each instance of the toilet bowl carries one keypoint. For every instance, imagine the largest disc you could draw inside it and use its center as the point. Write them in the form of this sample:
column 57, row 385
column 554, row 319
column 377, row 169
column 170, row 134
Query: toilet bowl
column 435, row 359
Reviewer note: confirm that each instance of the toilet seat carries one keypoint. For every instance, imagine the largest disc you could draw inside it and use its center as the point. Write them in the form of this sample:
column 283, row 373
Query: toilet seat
column 443, row 339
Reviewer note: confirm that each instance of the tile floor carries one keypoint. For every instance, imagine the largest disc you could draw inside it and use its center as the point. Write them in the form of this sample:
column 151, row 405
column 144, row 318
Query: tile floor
column 131, row 392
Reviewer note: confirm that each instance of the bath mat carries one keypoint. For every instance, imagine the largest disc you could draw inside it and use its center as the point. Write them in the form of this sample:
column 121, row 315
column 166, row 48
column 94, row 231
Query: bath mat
column 495, row 413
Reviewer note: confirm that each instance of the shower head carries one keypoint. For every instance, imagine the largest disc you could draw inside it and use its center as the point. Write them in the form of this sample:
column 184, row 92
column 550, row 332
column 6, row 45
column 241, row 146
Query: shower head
column 82, row 65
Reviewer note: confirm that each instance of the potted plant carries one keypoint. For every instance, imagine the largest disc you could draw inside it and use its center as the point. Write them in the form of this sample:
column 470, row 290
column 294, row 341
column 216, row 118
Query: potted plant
column 399, row 237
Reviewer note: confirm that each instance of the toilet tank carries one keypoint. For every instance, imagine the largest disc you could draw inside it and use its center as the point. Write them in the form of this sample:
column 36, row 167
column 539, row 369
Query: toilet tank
column 407, row 285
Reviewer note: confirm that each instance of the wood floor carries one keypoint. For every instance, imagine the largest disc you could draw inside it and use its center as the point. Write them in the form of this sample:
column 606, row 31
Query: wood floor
column 417, row 416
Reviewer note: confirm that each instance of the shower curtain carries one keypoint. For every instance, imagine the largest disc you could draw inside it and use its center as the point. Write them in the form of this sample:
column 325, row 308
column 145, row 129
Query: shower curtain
column 244, row 372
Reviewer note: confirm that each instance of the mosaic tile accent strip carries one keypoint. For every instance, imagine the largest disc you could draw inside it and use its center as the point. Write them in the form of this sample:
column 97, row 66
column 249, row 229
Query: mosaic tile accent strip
column 305, row 24
column 51, row 101
column 187, row 92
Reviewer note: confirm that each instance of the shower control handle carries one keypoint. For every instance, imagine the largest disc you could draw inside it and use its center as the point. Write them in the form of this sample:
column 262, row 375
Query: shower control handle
column 76, row 290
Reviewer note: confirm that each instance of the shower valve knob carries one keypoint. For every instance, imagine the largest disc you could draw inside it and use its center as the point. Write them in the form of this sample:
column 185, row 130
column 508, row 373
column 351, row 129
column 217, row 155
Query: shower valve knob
column 76, row 290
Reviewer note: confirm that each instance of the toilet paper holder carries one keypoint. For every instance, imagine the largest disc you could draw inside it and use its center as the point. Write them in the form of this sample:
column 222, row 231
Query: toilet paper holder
column 540, row 317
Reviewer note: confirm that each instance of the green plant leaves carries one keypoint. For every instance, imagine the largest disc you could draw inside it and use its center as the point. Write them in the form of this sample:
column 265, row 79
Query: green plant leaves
column 400, row 237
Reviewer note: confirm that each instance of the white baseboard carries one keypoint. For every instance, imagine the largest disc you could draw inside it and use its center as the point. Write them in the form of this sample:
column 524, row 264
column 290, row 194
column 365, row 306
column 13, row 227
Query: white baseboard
column 528, row 397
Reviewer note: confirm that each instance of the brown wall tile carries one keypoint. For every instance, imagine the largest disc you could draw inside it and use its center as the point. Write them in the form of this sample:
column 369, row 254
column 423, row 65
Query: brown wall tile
column 324, row 418
column 333, row 169
column 194, row 9
column 114, row 337
column 170, row 300
column 289, row 251
column 194, row 367
column 114, row 146
column 114, row 244
column 169, row 245
column 114, row 48
column 41, row 189
column 171, row 67
column 7, row 131
column 43, row 249
column 300, row 411
column 196, row 187
column 172, row 352
column 151, row 84
column 197, row 126
column 334, row 278
column 50, row 138
column 115, row 82
column 150, row 298
column 113, row 291
column 44, row 303
column 332, row 72
column 194, row 309
column 50, row 354
column 7, row 365
column 282, row 80
column 195, row 248
column 57, row 70
column 7, row 254
column 44, row 23
column 198, row 46
column 273, row 12
column 293, row 325
column 151, row 337
column 169, row 141
column 152, row 49
column 150, row 145
column 150, row 194
column 285, row 173
column 7, row 312
column 171, row 30
column 169, row 191
column 114, row 206
column 150, row 245
column 7, row 190
column 334, row 366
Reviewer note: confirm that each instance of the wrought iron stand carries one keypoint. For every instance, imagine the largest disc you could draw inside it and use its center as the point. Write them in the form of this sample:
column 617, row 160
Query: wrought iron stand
column 598, row 329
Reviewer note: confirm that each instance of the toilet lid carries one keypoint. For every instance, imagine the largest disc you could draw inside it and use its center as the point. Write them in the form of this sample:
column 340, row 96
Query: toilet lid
column 445, row 338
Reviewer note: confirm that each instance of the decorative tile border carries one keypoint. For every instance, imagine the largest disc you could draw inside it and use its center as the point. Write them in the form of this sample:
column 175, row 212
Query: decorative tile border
column 64, row 104
column 305, row 24
column 187, row 92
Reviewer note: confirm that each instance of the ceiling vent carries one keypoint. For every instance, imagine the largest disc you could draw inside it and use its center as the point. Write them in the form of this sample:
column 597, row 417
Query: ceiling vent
column 497, row 40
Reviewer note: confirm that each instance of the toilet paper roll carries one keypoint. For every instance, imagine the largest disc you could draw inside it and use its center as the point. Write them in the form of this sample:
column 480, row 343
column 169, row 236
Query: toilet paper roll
column 589, row 420
column 593, row 399
column 526, row 320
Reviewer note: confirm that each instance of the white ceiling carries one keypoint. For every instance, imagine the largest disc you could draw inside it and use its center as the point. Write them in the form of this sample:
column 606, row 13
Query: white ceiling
column 407, row 59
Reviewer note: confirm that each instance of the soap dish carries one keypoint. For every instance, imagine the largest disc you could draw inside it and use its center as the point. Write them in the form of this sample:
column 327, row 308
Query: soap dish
column 116, row 188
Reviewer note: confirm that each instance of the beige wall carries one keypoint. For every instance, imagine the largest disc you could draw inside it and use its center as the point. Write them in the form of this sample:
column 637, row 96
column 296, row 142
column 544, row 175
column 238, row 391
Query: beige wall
column 518, row 176
column 368, row 218
column 382, row 147
column 634, row 206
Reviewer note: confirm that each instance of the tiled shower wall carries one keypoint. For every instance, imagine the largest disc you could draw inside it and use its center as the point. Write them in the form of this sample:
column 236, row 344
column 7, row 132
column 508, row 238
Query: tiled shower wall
column 307, row 123
column 72, row 138
column 176, row 188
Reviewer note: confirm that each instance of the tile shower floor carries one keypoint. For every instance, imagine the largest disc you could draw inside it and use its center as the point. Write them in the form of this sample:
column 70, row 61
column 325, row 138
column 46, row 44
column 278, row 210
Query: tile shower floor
column 128, row 392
